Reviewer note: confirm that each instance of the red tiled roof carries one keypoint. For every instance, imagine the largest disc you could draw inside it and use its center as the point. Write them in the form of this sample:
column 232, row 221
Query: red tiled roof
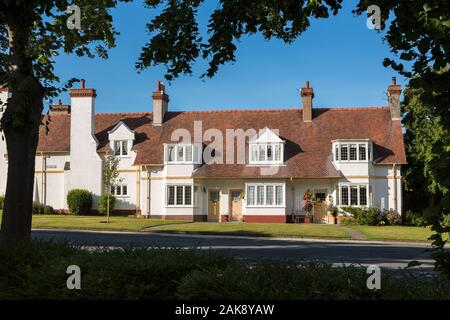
column 307, row 149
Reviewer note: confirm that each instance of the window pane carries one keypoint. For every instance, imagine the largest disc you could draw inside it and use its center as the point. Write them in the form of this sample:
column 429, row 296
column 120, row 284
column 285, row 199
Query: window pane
column 196, row 195
column 171, row 153
column 269, row 153
column 363, row 196
column 196, row 153
column 254, row 153
column 118, row 190
column 344, row 195
column 124, row 190
column 113, row 190
column 171, row 195
column 262, row 153
column 180, row 153
column 336, row 153
column 269, row 195
column 277, row 152
column 353, row 155
column 124, row 148
column 251, row 195
column 117, row 148
column 188, row 153
column 353, row 195
column 362, row 152
column 260, row 195
column 187, row 195
column 179, row 195
column 279, row 195
column 344, row 152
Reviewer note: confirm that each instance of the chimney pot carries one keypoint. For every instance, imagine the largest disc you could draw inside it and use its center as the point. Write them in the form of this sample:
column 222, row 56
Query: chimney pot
column 83, row 84
column 59, row 102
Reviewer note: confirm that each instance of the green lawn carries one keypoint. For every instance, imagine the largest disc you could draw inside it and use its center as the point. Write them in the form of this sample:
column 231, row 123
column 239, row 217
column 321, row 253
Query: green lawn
column 256, row 229
column 94, row 222
column 398, row 233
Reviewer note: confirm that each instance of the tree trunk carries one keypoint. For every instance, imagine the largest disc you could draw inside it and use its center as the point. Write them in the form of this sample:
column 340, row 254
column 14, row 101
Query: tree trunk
column 21, row 146
column 20, row 124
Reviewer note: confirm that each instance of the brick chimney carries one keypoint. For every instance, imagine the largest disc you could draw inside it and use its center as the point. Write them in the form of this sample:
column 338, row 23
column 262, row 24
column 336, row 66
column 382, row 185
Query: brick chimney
column 60, row 108
column 160, row 104
column 307, row 95
column 394, row 91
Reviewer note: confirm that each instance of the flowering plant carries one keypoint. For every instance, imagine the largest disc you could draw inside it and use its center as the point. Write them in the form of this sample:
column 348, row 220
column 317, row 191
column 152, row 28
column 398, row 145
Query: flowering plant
column 308, row 207
column 307, row 195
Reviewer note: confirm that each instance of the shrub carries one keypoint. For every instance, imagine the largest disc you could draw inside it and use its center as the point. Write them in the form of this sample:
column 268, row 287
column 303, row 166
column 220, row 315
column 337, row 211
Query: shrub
column 392, row 217
column 366, row 216
column 49, row 210
column 348, row 221
column 103, row 203
column 79, row 201
column 2, row 200
column 37, row 208
column 414, row 219
column 314, row 280
column 37, row 270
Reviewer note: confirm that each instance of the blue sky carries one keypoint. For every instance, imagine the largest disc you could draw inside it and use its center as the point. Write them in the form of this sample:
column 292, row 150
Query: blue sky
column 340, row 57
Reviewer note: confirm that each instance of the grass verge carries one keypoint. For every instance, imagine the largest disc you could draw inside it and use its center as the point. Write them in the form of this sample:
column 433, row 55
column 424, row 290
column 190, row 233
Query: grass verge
column 396, row 233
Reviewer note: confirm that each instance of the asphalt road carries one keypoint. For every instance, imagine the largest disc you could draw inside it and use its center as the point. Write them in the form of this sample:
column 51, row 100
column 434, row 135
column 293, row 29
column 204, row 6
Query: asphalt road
column 385, row 255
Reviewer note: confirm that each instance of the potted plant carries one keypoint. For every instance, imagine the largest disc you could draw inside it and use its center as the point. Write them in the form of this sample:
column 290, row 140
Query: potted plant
column 308, row 207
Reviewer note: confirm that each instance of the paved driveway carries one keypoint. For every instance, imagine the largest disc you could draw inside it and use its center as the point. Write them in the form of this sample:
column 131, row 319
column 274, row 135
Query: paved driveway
column 386, row 255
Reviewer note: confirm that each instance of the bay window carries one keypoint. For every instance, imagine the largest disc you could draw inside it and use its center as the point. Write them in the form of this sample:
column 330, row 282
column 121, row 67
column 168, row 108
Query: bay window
column 265, row 195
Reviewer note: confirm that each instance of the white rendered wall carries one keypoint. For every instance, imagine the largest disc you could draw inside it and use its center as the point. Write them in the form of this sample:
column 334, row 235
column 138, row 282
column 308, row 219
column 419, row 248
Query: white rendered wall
column 85, row 163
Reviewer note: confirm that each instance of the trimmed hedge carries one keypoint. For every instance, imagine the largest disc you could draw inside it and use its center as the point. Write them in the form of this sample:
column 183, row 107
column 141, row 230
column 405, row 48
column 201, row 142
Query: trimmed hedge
column 79, row 201
column 103, row 203
column 37, row 270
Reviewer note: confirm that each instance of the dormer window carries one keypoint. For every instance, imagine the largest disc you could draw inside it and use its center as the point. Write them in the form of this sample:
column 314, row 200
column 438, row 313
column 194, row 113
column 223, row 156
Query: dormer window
column 121, row 148
column 266, row 148
column 351, row 151
column 182, row 153
column 121, row 140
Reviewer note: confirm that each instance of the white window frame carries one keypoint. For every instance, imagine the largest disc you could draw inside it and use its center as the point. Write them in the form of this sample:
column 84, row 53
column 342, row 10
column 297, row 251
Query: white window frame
column 265, row 153
column 358, row 186
column 336, row 150
column 274, row 195
column 183, row 186
column 196, row 153
column 120, row 187
column 121, row 148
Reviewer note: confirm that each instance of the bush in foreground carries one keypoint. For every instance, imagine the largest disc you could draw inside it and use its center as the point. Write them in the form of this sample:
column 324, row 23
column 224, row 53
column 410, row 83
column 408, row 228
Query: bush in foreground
column 79, row 201
column 2, row 200
column 37, row 270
